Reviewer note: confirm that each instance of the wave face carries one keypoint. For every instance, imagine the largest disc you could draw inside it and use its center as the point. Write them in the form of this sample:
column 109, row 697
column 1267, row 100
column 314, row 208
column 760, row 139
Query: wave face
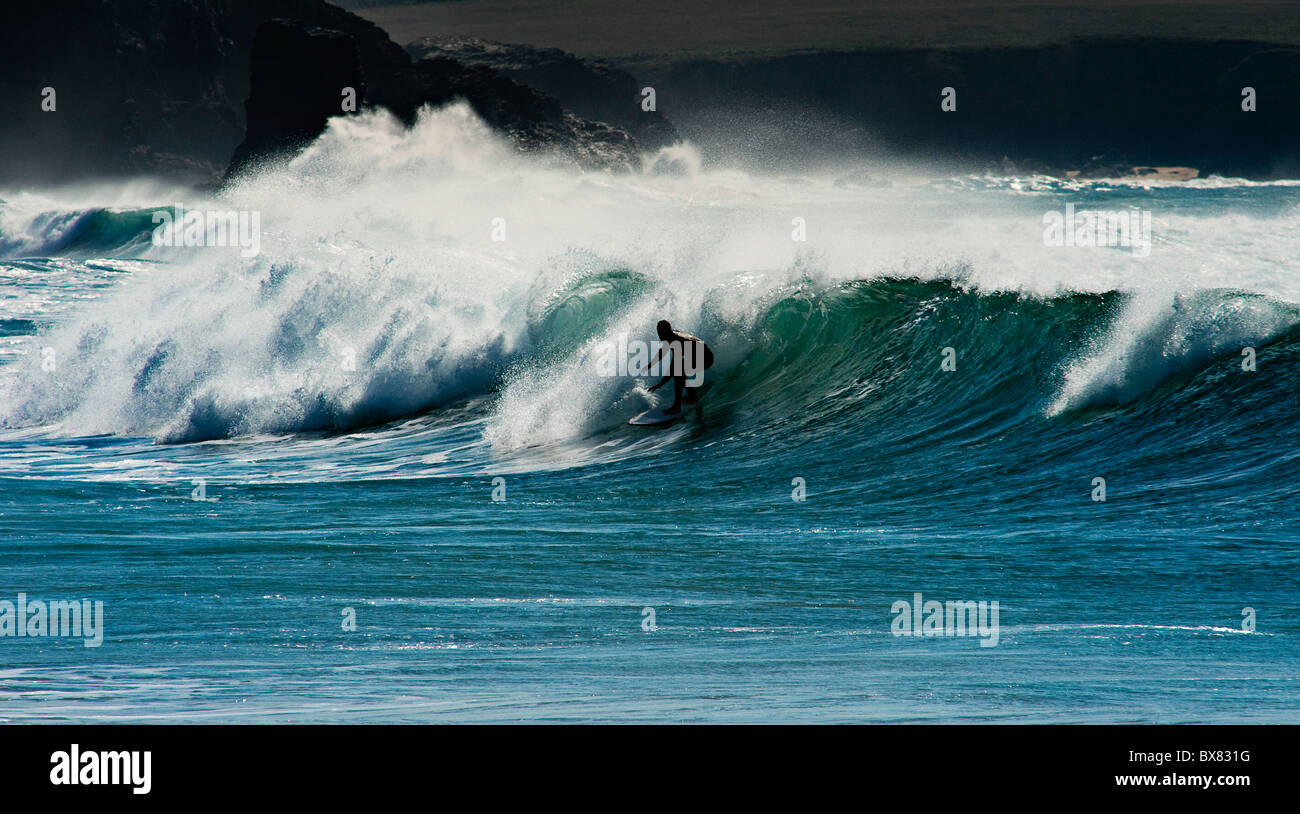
column 435, row 274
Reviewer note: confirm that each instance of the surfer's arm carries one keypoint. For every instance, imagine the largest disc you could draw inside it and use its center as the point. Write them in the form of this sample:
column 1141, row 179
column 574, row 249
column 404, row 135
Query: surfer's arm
column 662, row 382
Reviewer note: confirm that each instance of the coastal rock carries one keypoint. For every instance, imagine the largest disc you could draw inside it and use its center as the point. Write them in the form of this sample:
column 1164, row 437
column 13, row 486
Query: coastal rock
column 192, row 90
column 154, row 87
column 318, row 50
column 307, row 65
column 588, row 88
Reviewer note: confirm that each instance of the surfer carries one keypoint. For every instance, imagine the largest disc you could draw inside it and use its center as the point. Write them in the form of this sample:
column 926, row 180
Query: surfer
column 687, row 352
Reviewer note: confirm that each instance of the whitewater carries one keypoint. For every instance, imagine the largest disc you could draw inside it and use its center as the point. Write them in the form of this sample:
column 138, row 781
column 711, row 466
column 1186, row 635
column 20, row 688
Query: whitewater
column 426, row 315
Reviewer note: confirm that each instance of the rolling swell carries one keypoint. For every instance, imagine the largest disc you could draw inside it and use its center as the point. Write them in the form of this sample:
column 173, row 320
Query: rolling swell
column 846, row 388
column 856, row 369
column 817, row 361
column 93, row 232
column 882, row 342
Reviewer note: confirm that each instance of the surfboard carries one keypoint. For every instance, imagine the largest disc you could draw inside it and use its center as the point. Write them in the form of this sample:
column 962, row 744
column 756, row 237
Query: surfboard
column 653, row 417
column 657, row 416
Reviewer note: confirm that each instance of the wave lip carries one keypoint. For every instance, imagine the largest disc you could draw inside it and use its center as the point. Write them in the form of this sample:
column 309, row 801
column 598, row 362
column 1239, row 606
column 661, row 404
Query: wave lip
column 1158, row 337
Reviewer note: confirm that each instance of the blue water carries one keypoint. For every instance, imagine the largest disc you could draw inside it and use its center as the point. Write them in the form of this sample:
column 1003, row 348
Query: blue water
column 327, row 488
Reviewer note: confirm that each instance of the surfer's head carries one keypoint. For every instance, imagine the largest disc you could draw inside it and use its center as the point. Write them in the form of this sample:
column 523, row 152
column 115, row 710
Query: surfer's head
column 665, row 330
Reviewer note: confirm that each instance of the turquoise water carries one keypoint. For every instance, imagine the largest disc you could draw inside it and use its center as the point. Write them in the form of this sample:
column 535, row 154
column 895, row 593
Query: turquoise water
column 370, row 487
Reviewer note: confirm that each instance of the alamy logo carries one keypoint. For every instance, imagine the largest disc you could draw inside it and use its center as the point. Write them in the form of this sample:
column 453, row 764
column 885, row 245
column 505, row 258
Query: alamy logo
column 90, row 768
column 193, row 227
column 922, row 617
column 1084, row 227
column 624, row 357
column 58, row 618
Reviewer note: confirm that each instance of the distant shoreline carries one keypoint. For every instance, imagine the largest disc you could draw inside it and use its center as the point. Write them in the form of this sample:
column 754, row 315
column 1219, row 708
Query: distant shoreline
column 682, row 29
column 1147, row 174
column 1143, row 90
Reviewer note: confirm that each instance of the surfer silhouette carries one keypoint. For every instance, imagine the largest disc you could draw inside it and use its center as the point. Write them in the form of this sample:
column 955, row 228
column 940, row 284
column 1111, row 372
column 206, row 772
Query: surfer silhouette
column 690, row 356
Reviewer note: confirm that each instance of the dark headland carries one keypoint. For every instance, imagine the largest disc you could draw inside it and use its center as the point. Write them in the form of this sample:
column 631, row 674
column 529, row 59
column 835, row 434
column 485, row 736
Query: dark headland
column 191, row 90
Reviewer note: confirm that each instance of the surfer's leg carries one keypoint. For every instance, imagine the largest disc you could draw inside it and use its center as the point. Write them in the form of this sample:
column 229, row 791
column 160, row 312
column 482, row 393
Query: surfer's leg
column 691, row 395
column 697, row 373
column 679, row 384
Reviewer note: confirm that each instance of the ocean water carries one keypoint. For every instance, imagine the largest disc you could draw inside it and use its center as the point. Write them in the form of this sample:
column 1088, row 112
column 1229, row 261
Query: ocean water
column 348, row 402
